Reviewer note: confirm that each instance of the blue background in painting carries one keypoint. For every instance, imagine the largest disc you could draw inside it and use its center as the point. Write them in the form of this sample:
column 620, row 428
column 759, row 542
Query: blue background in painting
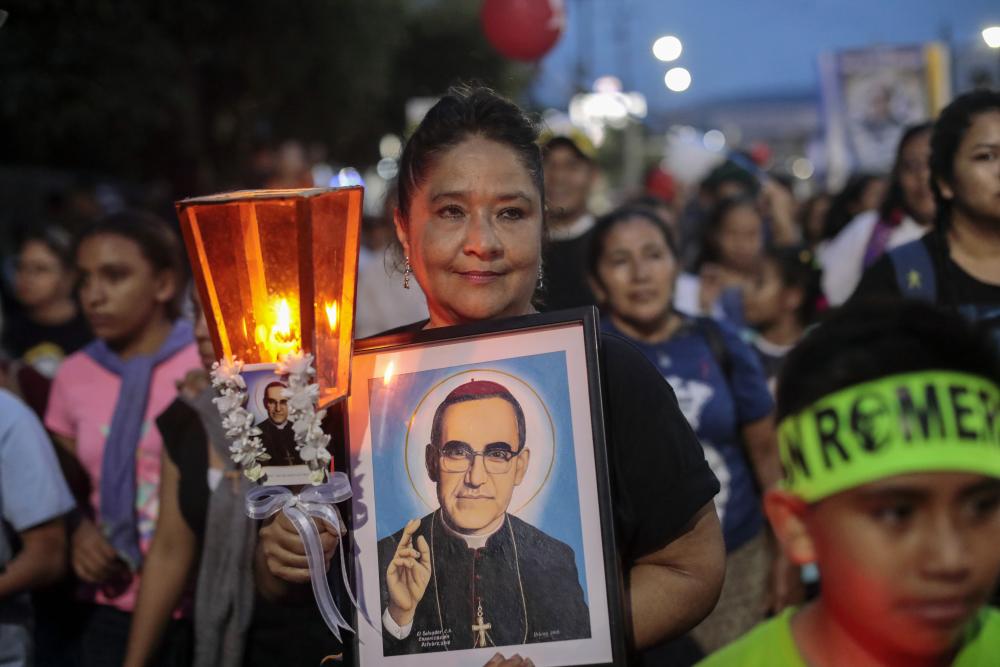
column 391, row 409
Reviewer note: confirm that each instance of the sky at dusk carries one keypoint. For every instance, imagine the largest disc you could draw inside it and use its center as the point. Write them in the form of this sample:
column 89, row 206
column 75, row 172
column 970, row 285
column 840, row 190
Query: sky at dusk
column 739, row 48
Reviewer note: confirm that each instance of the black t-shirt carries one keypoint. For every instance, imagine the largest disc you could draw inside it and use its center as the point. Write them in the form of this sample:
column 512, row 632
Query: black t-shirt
column 267, row 639
column 659, row 476
column 43, row 346
column 565, row 274
column 956, row 289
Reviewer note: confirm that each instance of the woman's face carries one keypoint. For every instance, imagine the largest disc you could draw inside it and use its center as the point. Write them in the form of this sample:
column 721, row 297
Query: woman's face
column 120, row 291
column 636, row 273
column 741, row 238
column 914, row 175
column 474, row 234
column 40, row 277
column 975, row 187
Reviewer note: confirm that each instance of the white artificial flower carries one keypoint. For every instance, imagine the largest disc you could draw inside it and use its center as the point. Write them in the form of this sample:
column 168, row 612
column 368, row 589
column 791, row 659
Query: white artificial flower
column 254, row 472
column 317, row 477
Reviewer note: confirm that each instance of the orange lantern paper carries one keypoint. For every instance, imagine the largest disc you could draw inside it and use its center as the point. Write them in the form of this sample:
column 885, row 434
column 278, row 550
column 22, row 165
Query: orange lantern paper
column 277, row 272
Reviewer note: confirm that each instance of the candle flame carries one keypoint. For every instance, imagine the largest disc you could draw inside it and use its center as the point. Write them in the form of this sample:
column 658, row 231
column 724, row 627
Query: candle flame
column 331, row 315
column 389, row 370
column 283, row 328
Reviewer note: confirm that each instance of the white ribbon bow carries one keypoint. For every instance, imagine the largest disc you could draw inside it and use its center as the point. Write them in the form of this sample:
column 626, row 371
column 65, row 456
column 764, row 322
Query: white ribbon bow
column 314, row 501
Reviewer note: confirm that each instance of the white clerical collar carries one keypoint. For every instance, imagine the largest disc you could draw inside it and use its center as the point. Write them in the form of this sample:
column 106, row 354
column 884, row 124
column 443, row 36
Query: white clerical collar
column 281, row 426
column 573, row 230
column 472, row 541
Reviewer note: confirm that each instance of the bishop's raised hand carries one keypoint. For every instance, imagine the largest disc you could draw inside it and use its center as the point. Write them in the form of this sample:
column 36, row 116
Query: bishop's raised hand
column 408, row 574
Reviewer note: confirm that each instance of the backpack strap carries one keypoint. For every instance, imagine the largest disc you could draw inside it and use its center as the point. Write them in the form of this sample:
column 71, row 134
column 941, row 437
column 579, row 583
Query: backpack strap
column 915, row 274
column 710, row 330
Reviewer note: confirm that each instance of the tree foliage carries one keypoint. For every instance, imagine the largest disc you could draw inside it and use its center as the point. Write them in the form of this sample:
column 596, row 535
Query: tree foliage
column 183, row 90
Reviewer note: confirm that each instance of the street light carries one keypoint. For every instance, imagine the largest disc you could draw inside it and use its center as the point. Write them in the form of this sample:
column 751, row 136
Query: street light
column 992, row 36
column 677, row 79
column 667, row 48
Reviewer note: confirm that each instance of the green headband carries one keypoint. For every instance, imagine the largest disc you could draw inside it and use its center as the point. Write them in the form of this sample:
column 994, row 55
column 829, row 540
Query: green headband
column 914, row 422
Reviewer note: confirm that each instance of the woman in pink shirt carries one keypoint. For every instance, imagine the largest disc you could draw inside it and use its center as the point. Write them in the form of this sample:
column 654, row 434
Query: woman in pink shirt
column 103, row 401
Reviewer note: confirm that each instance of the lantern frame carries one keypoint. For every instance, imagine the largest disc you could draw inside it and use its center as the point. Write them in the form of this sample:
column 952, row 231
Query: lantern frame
column 253, row 276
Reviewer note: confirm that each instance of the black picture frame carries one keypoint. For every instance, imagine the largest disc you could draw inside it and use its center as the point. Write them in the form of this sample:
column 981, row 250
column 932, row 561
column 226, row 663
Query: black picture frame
column 419, row 347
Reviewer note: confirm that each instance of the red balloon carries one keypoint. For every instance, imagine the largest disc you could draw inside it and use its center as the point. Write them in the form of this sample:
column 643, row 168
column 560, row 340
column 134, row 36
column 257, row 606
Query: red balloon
column 523, row 29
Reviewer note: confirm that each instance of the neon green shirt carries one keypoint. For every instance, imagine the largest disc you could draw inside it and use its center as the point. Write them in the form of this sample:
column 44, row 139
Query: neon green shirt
column 770, row 644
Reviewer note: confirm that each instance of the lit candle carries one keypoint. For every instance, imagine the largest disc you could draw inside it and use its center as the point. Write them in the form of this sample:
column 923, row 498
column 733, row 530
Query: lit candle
column 331, row 315
column 283, row 336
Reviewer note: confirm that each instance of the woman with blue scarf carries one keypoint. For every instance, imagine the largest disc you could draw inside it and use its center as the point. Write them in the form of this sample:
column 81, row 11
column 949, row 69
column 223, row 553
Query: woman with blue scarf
column 103, row 400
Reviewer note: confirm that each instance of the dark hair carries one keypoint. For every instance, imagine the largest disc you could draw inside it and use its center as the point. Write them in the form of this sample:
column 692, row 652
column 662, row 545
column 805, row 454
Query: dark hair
column 797, row 268
column 710, row 251
column 458, row 397
column 868, row 340
column 467, row 111
column 269, row 387
column 607, row 222
column 806, row 211
column 731, row 172
column 157, row 241
column 894, row 199
column 949, row 130
column 841, row 209
column 58, row 241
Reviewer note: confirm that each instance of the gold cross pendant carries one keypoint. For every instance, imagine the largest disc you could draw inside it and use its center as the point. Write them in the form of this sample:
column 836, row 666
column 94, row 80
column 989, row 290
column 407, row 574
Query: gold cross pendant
column 480, row 627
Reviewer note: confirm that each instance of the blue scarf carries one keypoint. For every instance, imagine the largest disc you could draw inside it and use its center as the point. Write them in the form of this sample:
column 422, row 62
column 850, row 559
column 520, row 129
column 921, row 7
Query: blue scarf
column 118, row 485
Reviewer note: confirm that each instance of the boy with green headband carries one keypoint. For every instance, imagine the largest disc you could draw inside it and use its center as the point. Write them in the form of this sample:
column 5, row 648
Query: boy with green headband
column 890, row 441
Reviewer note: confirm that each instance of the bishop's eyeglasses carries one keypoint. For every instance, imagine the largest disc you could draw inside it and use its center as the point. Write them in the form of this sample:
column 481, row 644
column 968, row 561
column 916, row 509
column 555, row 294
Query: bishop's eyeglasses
column 459, row 456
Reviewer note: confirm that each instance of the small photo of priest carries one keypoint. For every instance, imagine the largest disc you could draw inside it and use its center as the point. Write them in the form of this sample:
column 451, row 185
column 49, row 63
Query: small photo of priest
column 269, row 405
column 485, row 550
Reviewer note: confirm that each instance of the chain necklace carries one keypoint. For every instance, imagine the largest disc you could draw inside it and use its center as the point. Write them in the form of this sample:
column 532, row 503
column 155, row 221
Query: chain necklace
column 517, row 567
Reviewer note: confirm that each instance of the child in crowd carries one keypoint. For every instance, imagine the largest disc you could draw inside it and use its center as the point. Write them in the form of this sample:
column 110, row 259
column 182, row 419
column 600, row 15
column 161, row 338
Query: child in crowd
column 890, row 444
column 103, row 401
column 780, row 304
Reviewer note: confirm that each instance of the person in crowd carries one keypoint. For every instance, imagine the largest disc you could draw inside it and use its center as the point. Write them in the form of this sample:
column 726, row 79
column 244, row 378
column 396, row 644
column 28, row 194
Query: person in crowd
column 570, row 173
column 203, row 530
column 900, row 507
column 812, row 214
column 50, row 325
column 478, row 449
column 103, row 401
column 724, row 182
column 862, row 192
column 471, row 222
column 731, row 251
column 905, row 214
column 722, row 393
column 46, row 323
column 957, row 264
column 780, row 304
column 382, row 301
column 34, row 500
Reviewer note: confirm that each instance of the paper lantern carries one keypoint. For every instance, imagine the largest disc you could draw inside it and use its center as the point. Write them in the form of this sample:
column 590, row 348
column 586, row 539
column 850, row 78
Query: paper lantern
column 523, row 29
column 277, row 273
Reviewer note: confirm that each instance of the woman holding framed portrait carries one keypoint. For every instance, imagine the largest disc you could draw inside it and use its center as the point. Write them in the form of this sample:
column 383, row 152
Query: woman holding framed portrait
column 471, row 225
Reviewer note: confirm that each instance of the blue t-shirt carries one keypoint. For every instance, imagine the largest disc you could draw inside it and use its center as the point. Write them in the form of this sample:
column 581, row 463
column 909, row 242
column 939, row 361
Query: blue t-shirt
column 717, row 409
column 32, row 492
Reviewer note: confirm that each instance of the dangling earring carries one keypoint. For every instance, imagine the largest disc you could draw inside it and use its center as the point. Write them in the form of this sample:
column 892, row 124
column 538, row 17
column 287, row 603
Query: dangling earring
column 406, row 274
column 541, row 282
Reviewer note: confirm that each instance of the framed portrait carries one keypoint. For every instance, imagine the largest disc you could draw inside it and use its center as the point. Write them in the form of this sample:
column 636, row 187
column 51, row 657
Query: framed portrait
column 482, row 515
column 269, row 407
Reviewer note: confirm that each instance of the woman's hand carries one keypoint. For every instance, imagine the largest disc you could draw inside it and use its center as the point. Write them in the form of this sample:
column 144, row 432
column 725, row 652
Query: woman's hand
column 284, row 553
column 94, row 560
